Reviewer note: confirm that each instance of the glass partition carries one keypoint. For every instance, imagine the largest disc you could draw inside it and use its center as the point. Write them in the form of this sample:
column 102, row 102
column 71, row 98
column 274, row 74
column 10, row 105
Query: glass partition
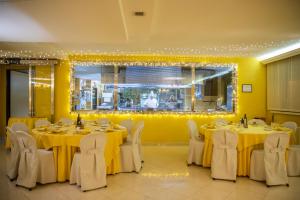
column 154, row 88
column 213, row 89
column 93, row 87
column 142, row 88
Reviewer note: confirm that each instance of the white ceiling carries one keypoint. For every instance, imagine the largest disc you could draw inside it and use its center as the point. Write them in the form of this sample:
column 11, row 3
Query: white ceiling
column 201, row 27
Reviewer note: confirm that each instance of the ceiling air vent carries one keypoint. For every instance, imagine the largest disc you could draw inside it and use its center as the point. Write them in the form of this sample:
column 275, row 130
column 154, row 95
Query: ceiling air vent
column 139, row 13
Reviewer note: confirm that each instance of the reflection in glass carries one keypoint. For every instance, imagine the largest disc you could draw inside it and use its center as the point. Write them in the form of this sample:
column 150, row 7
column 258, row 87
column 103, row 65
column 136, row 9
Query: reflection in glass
column 93, row 88
column 154, row 88
column 213, row 89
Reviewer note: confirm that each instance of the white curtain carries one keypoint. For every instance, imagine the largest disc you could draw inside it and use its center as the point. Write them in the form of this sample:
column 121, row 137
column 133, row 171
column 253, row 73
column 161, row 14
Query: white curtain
column 283, row 85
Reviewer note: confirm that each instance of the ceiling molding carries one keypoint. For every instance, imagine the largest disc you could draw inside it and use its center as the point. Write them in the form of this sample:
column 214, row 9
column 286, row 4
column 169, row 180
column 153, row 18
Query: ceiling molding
column 281, row 56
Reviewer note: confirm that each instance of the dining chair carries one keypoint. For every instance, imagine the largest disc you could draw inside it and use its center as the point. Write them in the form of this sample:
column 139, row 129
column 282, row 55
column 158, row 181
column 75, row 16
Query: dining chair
column 88, row 168
column 41, row 122
column 268, row 164
column 127, row 123
column 224, row 157
column 293, row 163
column 130, row 151
column 257, row 122
column 14, row 156
column 20, row 126
column 221, row 122
column 36, row 165
column 66, row 121
column 103, row 121
column 196, row 144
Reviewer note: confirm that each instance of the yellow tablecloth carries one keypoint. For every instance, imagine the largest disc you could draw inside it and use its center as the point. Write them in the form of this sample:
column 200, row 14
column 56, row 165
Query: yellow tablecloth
column 29, row 121
column 66, row 143
column 249, row 138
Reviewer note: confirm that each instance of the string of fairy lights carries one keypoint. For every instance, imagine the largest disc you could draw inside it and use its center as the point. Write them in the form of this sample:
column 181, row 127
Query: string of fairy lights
column 156, row 61
column 229, row 50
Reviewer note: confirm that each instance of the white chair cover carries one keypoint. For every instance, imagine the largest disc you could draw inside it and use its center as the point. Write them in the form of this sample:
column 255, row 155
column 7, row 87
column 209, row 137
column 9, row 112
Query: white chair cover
column 66, row 121
column 221, row 122
column 128, row 123
column 130, row 152
column 256, row 121
column 36, row 165
column 28, row 167
column 257, row 165
column 196, row 145
column 89, row 168
column 275, row 147
column 41, row 123
column 20, row 126
column 14, row 157
column 103, row 121
column 224, row 158
column 293, row 126
column 290, row 125
column 293, row 165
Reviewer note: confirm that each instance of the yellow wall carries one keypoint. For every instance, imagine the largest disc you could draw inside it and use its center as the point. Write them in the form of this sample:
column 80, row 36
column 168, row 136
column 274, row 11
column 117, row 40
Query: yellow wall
column 172, row 128
column 42, row 92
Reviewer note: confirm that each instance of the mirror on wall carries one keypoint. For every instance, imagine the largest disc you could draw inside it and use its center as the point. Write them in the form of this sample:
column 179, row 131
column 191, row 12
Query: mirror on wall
column 140, row 88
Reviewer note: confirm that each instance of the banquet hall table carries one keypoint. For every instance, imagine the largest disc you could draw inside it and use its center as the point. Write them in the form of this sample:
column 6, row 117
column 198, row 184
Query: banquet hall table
column 65, row 141
column 248, row 139
column 29, row 121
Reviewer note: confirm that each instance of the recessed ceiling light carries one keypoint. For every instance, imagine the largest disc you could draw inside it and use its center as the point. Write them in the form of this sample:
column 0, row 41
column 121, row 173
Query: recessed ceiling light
column 279, row 52
column 139, row 13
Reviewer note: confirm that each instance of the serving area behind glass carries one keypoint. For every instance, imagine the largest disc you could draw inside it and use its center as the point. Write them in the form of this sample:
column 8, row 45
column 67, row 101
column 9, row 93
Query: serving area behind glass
column 155, row 88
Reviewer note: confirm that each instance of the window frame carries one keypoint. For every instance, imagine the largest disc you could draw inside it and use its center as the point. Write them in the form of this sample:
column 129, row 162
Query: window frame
column 193, row 67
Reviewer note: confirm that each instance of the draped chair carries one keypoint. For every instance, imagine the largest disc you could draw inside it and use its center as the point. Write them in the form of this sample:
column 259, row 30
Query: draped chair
column 88, row 168
column 256, row 121
column 269, row 164
column 128, row 123
column 103, row 121
column 14, row 157
column 293, row 164
column 36, row 165
column 221, row 122
column 20, row 126
column 196, row 145
column 66, row 121
column 224, row 157
column 130, row 151
column 41, row 122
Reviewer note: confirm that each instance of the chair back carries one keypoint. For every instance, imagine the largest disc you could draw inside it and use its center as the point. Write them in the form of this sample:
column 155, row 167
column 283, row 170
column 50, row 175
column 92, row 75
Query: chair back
column 92, row 161
column 103, row 121
column 14, row 158
column 137, row 132
column 256, row 121
column 290, row 125
column 41, row 123
column 221, row 122
column 66, row 121
column 128, row 123
column 224, row 138
column 93, row 143
column 275, row 146
column 224, row 156
column 20, row 126
column 193, row 130
column 28, row 167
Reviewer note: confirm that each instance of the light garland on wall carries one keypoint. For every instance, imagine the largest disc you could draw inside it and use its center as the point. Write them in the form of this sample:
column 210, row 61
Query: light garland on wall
column 230, row 50
column 146, row 60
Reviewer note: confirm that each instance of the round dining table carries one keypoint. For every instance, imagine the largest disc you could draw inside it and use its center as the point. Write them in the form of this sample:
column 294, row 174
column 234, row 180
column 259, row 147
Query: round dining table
column 248, row 139
column 64, row 141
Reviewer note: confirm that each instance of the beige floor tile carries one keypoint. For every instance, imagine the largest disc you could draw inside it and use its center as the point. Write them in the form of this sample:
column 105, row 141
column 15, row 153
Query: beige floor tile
column 165, row 175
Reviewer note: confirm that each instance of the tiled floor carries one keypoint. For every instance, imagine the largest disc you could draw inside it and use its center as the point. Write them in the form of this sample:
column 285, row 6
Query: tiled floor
column 164, row 176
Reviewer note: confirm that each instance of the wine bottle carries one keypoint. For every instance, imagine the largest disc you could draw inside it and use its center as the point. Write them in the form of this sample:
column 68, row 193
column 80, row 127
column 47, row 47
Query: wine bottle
column 245, row 121
column 78, row 122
